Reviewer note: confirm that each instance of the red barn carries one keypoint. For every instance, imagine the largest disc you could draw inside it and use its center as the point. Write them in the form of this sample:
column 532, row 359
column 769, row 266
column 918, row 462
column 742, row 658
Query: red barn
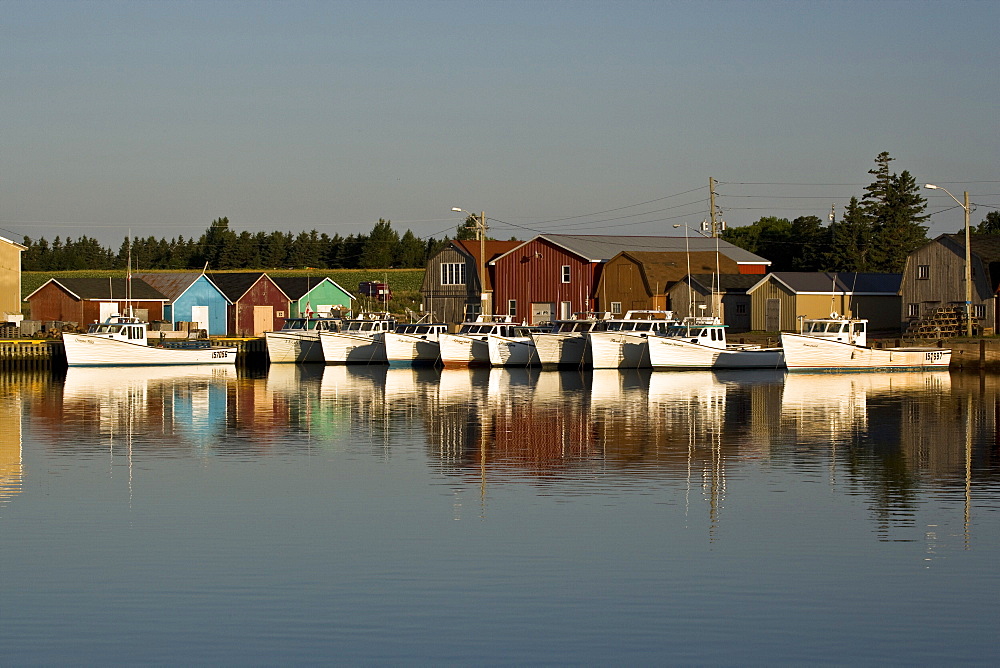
column 555, row 275
column 258, row 304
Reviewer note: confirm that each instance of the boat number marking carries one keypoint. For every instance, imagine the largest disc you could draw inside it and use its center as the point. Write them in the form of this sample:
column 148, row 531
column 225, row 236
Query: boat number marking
column 933, row 356
column 219, row 354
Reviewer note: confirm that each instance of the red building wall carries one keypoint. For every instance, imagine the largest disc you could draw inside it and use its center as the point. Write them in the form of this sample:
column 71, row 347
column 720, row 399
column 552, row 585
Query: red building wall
column 263, row 293
column 533, row 274
column 52, row 303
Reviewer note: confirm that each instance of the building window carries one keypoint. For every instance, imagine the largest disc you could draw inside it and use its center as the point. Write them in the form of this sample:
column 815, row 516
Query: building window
column 565, row 273
column 616, row 308
column 923, row 272
column 979, row 311
column 512, row 307
column 741, row 309
column 913, row 310
column 453, row 273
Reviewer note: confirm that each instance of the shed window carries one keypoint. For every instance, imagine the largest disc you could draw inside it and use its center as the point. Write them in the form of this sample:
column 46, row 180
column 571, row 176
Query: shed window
column 979, row 310
column 741, row 309
column 616, row 308
column 453, row 273
column 512, row 307
column 923, row 272
column 913, row 310
column 565, row 273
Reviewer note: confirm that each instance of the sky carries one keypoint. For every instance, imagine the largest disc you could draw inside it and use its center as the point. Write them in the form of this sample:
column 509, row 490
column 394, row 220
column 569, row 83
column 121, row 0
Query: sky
column 155, row 118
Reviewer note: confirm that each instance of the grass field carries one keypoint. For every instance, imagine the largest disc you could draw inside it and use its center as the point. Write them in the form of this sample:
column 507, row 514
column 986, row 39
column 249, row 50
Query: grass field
column 405, row 283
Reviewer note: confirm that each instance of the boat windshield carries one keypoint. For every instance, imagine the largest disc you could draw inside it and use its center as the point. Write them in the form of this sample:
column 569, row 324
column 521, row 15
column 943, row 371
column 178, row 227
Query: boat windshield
column 295, row 323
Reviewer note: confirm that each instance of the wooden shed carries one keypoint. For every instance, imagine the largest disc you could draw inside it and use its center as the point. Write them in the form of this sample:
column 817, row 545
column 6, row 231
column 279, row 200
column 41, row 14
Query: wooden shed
column 779, row 299
column 934, row 279
column 311, row 294
column 635, row 280
column 87, row 300
column 724, row 295
column 10, row 280
column 193, row 298
column 451, row 290
column 257, row 304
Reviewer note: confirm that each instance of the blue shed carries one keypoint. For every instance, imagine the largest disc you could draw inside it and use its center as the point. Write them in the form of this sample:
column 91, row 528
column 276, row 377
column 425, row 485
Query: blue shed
column 193, row 298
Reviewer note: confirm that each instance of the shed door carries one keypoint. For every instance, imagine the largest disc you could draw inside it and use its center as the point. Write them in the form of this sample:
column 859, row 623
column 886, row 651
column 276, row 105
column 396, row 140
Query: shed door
column 772, row 315
column 263, row 319
column 199, row 314
column 541, row 312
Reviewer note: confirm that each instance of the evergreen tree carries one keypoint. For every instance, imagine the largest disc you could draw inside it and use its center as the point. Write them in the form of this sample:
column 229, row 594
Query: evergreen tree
column 410, row 252
column 813, row 241
column 894, row 205
column 990, row 224
column 380, row 248
column 469, row 229
column 851, row 240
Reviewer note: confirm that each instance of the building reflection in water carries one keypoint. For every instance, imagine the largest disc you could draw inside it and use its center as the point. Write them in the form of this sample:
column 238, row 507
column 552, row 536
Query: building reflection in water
column 11, row 469
column 881, row 436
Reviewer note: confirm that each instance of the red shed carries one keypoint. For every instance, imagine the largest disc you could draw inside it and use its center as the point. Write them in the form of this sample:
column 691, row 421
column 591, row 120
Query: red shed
column 87, row 300
column 258, row 304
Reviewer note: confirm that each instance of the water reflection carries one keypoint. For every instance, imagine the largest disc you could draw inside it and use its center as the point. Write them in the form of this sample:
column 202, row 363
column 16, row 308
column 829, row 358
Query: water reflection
column 879, row 436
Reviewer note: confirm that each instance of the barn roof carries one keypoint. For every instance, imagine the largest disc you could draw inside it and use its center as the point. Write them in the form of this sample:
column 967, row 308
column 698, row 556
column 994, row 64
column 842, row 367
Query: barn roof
column 601, row 248
column 828, row 282
column 236, row 284
column 106, row 288
column 296, row 287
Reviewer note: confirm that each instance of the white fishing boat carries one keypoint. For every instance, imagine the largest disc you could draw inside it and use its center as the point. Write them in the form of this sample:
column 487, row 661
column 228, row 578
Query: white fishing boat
column 470, row 346
column 298, row 339
column 622, row 344
column 415, row 343
column 700, row 343
column 838, row 343
column 515, row 349
column 359, row 341
column 121, row 341
column 566, row 345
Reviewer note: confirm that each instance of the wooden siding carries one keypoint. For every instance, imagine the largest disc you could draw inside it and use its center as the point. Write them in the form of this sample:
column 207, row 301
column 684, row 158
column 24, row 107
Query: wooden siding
column 532, row 274
column 770, row 289
column 945, row 283
column 10, row 280
column 450, row 303
column 680, row 302
column 52, row 303
column 263, row 293
column 880, row 310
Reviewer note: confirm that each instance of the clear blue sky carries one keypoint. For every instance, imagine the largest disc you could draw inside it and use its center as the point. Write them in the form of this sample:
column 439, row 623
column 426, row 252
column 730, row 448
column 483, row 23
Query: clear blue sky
column 158, row 117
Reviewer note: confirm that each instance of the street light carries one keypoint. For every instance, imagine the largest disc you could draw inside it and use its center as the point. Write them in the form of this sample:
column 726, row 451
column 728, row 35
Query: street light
column 968, row 257
column 481, row 231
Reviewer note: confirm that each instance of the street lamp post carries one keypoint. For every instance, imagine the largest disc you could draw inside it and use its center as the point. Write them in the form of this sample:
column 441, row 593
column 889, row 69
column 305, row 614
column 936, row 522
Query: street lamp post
column 968, row 257
column 481, row 270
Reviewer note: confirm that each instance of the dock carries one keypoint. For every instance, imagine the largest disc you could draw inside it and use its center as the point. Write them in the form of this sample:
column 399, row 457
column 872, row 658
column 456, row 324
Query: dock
column 49, row 353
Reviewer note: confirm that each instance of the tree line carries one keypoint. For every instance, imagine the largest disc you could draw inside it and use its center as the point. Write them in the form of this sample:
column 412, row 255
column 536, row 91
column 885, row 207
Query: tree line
column 875, row 234
column 223, row 248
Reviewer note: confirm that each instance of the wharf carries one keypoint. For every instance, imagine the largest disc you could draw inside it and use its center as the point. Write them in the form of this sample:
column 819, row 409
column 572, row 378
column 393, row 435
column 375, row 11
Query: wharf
column 49, row 353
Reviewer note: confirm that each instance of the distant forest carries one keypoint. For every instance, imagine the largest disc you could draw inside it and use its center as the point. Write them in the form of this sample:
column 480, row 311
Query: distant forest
column 222, row 248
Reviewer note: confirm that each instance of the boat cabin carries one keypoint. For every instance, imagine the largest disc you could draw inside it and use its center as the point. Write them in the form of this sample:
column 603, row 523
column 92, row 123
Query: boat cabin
column 120, row 328
column 837, row 328
column 319, row 324
column 367, row 326
column 710, row 335
column 642, row 322
column 422, row 329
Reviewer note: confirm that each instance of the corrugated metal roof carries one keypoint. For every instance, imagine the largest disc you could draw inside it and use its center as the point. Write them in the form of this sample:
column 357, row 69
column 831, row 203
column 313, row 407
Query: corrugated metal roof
column 173, row 284
column 113, row 288
column 601, row 248
column 235, row 285
column 827, row 282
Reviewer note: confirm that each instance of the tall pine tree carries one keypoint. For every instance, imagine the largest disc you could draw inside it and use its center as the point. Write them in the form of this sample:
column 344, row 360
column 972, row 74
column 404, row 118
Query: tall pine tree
column 895, row 207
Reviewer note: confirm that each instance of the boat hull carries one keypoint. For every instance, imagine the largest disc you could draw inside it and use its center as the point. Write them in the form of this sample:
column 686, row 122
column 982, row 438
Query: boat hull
column 618, row 350
column 670, row 353
column 815, row 354
column 348, row 349
column 511, row 352
column 461, row 350
column 291, row 347
column 86, row 350
column 402, row 348
column 555, row 349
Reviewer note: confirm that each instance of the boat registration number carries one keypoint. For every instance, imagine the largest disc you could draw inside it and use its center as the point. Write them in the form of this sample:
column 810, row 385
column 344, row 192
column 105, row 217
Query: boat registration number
column 933, row 356
column 220, row 354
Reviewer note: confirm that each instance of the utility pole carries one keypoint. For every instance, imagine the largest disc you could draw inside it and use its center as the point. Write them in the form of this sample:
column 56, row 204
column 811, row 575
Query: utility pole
column 482, row 262
column 711, row 205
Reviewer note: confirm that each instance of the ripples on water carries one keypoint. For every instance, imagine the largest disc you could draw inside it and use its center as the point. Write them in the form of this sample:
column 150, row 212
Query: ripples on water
column 389, row 515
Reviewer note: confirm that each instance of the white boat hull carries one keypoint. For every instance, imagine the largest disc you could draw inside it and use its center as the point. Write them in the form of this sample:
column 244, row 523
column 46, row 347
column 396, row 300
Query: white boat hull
column 618, row 350
column 288, row 347
column 807, row 352
column 411, row 348
column 461, row 350
column 511, row 352
column 87, row 350
column 556, row 349
column 343, row 348
column 671, row 353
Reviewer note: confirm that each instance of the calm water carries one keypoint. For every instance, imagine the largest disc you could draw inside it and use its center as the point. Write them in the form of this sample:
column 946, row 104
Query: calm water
column 398, row 516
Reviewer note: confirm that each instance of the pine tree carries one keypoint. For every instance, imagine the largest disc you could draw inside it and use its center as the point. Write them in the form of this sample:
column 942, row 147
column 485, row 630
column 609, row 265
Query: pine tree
column 380, row 248
column 851, row 240
column 895, row 207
